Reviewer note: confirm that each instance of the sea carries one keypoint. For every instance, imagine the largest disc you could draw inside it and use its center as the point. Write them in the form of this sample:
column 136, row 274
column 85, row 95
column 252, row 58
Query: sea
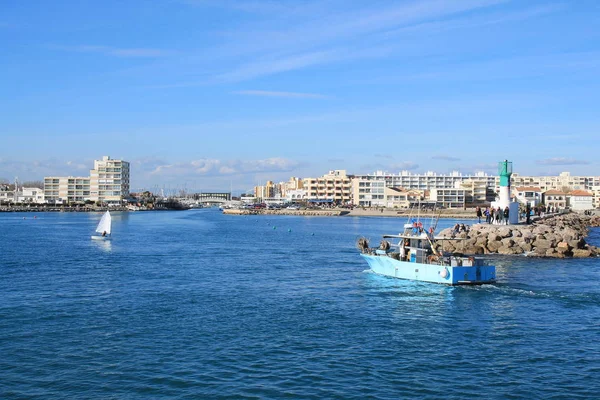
column 201, row 305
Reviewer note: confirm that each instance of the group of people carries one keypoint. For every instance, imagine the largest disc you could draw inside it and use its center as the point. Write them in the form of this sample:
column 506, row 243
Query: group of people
column 458, row 228
column 494, row 215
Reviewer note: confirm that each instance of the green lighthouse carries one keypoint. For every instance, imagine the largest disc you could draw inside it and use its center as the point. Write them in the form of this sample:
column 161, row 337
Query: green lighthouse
column 505, row 171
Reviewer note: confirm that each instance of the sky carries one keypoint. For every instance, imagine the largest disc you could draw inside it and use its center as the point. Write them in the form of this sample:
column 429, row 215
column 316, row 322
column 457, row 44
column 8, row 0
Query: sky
column 207, row 95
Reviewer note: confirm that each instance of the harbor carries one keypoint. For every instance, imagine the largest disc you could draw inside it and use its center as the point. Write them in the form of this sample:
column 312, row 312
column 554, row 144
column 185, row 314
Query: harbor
column 206, row 293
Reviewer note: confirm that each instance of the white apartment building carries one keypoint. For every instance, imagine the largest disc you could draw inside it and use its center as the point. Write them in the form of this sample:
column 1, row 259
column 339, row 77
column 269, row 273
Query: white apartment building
column 333, row 187
column 449, row 198
column 295, row 195
column 7, row 196
column 30, row 195
column 563, row 181
column 67, row 189
column 580, row 200
column 479, row 187
column 108, row 182
column 369, row 188
column 555, row 198
column 528, row 195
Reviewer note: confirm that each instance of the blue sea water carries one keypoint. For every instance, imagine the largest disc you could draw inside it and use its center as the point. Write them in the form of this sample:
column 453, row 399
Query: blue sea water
column 197, row 304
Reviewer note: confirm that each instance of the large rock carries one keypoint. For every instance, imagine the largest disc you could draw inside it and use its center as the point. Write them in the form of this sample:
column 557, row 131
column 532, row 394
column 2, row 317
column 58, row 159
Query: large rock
column 581, row 253
column 505, row 232
column 543, row 243
column 556, row 236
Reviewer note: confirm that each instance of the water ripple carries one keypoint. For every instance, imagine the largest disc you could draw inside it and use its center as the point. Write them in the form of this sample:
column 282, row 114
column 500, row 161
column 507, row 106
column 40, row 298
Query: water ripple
column 201, row 305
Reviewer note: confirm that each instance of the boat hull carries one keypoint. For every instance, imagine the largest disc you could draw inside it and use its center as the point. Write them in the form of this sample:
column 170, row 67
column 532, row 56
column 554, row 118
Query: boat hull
column 100, row 237
column 434, row 273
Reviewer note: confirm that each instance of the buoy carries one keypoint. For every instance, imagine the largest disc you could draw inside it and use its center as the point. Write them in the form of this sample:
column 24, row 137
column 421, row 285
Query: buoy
column 289, row 230
column 274, row 227
column 312, row 234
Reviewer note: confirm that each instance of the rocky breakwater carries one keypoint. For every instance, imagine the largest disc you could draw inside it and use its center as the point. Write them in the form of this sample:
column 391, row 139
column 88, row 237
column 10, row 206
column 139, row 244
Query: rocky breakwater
column 558, row 236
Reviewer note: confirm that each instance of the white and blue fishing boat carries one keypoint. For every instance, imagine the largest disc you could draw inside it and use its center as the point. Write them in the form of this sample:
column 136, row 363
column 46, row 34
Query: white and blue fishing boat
column 418, row 255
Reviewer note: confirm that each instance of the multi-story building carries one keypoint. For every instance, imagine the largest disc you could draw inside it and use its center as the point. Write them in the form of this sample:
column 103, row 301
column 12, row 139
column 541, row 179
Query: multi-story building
column 7, row 196
column 30, row 195
column 67, row 189
column 555, row 198
column 564, row 182
column 580, row 200
column 528, row 195
column 266, row 191
column 333, row 187
column 109, row 180
column 596, row 192
column 108, row 183
column 450, row 198
column 478, row 188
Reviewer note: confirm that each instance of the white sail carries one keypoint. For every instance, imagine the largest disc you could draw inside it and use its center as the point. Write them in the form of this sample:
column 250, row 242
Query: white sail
column 104, row 224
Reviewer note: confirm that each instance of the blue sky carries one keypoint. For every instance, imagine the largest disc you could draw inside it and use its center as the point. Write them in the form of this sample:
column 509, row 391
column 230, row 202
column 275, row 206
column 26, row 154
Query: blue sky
column 219, row 94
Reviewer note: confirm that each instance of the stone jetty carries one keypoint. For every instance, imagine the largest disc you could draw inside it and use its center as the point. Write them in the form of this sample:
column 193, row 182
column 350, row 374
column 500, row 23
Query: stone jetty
column 304, row 213
column 556, row 236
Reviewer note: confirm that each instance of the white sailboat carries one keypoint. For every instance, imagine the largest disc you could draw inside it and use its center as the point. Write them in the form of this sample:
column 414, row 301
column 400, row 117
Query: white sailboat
column 103, row 227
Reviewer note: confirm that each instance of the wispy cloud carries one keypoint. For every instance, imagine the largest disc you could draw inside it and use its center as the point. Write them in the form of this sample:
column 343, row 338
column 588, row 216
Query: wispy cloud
column 291, row 39
column 387, row 156
column 293, row 95
column 404, row 166
column 215, row 167
column 562, row 161
column 273, row 66
column 445, row 158
column 78, row 165
column 36, row 169
column 116, row 51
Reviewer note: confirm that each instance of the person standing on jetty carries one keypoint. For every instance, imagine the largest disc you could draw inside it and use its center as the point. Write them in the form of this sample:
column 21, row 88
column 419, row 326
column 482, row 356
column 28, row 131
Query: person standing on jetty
column 528, row 214
column 506, row 214
column 478, row 213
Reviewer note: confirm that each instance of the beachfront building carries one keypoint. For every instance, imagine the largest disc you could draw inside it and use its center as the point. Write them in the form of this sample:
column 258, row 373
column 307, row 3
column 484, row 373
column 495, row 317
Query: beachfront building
column 596, row 192
column 477, row 188
column 561, row 182
column 449, row 198
column 555, row 198
column 7, row 196
column 109, row 181
column 528, row 195
column 296, row 195
column 66, row 189
column 334, row 187
column 266, row 191
column 375, row 194
column 30, row 195
column 580, row 200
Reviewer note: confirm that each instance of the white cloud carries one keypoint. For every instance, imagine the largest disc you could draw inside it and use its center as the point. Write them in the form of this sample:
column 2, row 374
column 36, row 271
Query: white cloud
column 404, row 166
column 445, row 158
column 562, row 161
column 213, row 167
